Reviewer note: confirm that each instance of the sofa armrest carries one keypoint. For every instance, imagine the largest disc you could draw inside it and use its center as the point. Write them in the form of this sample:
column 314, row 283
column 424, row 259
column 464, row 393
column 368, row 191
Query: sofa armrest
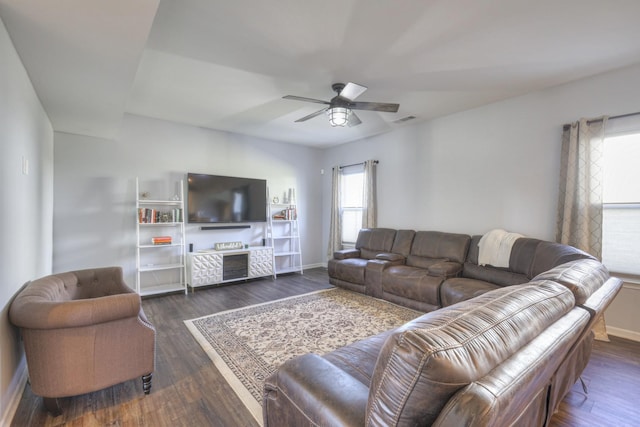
column 346, row 253
column 373, row 276
column 445, row 269
column 598, row 302
column 394, row 258
column 33, row 312
column 310, row 390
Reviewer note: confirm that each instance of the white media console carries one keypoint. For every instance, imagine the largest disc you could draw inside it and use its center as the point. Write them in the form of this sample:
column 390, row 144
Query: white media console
column 212, row 267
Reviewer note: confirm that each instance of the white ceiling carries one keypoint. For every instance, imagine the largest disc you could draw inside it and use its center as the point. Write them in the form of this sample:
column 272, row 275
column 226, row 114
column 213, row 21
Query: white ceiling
column 225, row 64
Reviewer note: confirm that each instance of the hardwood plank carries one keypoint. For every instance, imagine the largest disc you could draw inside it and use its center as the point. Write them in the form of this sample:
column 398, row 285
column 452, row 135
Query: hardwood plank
column 189, row 391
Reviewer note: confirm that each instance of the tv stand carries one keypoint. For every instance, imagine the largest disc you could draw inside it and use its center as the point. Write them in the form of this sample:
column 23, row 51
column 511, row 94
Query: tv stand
column 213, row 267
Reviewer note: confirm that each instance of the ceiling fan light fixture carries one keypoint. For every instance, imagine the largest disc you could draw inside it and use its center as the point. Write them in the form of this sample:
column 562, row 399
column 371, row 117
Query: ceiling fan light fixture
column 338, row 116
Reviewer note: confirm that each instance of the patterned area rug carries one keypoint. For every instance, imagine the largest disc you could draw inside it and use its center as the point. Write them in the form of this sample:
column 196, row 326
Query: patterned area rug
column 248, row 344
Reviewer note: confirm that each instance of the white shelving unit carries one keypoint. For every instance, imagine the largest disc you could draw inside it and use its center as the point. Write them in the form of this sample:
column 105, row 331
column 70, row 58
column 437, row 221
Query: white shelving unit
column 283, row 235
column 161, row 268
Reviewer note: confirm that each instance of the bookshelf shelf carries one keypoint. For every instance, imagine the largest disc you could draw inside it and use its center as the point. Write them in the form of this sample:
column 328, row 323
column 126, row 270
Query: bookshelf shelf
column 161, row 267
column 283, row 235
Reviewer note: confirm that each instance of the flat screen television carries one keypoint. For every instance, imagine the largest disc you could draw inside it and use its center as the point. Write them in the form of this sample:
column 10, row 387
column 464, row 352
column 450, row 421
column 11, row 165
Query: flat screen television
column 226, row 199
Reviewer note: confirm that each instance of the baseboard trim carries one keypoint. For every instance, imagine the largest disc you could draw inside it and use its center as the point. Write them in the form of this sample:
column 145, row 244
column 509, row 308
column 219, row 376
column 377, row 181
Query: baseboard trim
column 623, row 333
column 14, row 393
column 309, row 266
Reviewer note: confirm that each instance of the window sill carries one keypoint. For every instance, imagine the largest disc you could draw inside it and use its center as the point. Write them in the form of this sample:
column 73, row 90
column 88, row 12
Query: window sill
column 629, row 281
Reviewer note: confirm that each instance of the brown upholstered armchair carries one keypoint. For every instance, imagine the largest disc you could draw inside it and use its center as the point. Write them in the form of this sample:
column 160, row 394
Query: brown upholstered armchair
column 83, row 331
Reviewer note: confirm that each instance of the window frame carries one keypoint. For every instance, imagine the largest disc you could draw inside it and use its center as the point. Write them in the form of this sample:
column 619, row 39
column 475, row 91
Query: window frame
column 345, row 171
column 619, row 127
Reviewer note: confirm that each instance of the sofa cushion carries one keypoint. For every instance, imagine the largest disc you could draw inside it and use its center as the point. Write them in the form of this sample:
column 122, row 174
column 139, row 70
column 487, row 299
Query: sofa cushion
column 445, row 269
column 583, row 277
column 522, row 254
column 551, row 254
column 438, row 245
column 423, row 262
column 520, row 260
column 424, row 362
column 402, row 242
column 474, row 250
column 372, row 241
column 412, row 283
column 359, row 358
column 348, row 270
column 495, row 275
column 458, row 289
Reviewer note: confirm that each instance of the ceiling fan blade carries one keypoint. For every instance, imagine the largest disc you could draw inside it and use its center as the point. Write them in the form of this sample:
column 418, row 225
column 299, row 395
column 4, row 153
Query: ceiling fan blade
column 301, row 98
column 354, row 120
column 375, row 106
column 311, row 116
column 351, row 91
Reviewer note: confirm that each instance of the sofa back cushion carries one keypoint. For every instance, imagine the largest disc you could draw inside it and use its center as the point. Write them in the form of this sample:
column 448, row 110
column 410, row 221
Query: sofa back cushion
column 372, row 241
column 402, row 242
column 523, row 253
column 54, row 288
column 435, row 245
column 423, row 363
column 582, row 277
column 496, row 275
column 551, row 254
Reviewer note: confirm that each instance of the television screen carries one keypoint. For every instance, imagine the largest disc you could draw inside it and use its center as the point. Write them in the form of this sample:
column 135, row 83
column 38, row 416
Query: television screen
column 225, row 199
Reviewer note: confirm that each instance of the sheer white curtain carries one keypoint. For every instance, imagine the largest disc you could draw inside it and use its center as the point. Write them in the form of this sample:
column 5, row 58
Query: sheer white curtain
column 580, row 198
column 369, row 208
column 335, row 229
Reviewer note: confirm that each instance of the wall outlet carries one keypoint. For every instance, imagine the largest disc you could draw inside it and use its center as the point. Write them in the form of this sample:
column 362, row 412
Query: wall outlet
column 25, row 166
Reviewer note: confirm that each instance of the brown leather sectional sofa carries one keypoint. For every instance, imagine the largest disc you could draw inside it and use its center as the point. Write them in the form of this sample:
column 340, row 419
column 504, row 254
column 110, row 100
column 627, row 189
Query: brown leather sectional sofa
column 500, row 346
column 428, row 270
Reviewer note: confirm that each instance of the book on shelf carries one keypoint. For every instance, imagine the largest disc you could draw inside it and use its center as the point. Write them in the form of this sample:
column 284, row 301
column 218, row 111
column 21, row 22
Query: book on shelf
column 161, row 240
column 157, row 216
column 286, row 214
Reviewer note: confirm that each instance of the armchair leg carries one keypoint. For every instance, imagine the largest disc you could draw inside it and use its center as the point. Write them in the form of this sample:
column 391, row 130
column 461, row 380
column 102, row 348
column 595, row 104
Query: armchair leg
column 52, row 405
column 146, row 383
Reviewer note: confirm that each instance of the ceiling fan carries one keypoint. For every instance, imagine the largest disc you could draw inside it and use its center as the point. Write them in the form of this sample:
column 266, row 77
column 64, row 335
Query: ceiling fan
column 340, row 108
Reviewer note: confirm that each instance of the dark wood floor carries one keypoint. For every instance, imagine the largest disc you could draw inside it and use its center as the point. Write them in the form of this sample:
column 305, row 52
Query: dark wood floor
column 189, row 391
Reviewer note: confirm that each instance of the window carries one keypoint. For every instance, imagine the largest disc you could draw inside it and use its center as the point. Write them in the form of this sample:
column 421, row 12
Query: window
column 621, row 200
column 352, row 200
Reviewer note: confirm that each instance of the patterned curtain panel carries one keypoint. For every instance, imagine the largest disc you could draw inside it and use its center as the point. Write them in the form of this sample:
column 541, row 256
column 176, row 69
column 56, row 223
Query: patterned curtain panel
column 580, row 199
column 369, row 205
column 335, row 229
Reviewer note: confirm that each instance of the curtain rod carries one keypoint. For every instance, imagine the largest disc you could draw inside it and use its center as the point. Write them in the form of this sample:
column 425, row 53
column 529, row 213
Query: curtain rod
column 375, row 162
column 611, row 117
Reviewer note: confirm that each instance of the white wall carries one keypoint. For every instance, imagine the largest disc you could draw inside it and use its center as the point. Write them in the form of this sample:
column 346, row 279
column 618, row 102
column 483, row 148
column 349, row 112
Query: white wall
column 494, row 166
column 26, row 208
column 94, row 210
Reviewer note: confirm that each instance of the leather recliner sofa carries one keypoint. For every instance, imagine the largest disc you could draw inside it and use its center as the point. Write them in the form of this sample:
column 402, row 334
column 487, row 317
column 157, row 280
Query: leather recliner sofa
column 427, row 270
column 505, row 357
column 506, row 354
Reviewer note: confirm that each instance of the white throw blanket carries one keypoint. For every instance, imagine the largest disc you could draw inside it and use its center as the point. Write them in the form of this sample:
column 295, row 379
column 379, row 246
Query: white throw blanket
column 495, row 247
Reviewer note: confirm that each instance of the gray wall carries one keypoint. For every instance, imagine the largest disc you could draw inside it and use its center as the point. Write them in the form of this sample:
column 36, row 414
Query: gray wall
column 94, row 209
column 491, row 167
column 26, row 210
